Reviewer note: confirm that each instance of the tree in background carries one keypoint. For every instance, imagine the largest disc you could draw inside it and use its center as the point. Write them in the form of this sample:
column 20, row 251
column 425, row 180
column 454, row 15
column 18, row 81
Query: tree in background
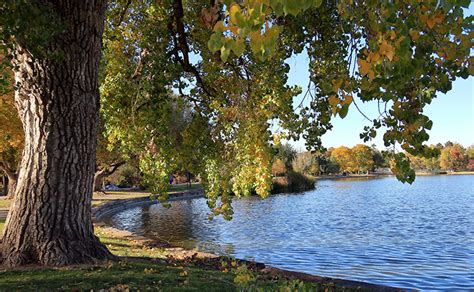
column 11, row 141
column 416, row 162
column 378, row 158
column 283, row 160
column 345, row 158
column 432, row 164
column 363, row 156
column 286, row 154
column 303, row 162
column 109, row 159
column 470, row 155
column 453, row 157
column 319, row 163
column 470, row 152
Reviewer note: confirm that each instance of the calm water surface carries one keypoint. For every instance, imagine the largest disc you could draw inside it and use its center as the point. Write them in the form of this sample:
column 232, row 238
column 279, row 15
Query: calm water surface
column 378, row 230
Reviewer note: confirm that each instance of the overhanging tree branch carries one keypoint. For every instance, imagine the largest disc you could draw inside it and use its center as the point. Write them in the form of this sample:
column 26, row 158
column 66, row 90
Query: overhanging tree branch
column 181, row 45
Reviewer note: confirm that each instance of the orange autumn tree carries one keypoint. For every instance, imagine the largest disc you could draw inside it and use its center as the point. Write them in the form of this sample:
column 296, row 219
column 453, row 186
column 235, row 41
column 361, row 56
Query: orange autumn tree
column 453, row 158
column 11, row 141
column 344, row 156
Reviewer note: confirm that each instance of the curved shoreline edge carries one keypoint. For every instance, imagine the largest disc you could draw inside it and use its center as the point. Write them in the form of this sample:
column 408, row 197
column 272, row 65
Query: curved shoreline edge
column 115, row 206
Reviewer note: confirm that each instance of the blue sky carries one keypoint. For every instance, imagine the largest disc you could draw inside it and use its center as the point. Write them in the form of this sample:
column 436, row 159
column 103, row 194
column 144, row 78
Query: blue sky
column 452, row 114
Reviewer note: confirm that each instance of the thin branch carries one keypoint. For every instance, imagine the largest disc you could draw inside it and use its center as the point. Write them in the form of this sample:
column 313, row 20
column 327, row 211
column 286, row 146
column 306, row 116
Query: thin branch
column 124, row 11
column 308, row 92
column 357, row 107
column 181, row 44
column 7, row 170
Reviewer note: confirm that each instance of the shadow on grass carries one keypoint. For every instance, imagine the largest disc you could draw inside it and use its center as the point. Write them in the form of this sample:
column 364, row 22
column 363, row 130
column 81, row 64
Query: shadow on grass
column 136, row 274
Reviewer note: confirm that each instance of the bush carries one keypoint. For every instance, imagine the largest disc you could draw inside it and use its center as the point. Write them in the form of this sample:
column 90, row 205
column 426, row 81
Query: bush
column 293, row 182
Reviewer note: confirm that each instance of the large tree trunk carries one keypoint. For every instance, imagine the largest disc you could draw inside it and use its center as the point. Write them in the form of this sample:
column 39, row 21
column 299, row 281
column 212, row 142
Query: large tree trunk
column 58, row 102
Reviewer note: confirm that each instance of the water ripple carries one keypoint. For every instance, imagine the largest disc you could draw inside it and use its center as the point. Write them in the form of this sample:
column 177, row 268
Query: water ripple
column 380, row 231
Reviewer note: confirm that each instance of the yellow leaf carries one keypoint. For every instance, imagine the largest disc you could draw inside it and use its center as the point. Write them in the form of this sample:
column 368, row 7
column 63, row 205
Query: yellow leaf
column 387, row 50
column 234, row 9
column 432, row 20
column 373, row 57
column 347, row 99
column 393, row 35
column 219, row 26
column 364, row 67
column 336, row 84
column 233, row 29
column 333, row 101
column 414, row 34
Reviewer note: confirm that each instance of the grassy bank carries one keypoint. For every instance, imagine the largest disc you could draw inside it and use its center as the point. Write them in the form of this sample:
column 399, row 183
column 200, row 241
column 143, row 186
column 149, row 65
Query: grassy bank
column 102, row 197
column 141, row 267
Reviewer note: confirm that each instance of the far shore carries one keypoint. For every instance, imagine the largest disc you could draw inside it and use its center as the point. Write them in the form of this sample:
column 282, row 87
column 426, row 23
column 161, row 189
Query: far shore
column 375, row 175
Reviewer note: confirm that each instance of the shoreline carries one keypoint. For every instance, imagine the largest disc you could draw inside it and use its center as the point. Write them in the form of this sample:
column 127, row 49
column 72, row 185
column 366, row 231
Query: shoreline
column 373, row 175
column 181, row 253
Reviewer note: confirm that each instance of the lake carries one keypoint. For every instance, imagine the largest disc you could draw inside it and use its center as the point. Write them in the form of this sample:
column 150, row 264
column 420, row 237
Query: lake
column 374, row 230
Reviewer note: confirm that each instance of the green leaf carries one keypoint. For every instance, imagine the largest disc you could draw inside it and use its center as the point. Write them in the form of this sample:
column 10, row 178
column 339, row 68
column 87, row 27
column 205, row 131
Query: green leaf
column 343, row 111
column 239, row 47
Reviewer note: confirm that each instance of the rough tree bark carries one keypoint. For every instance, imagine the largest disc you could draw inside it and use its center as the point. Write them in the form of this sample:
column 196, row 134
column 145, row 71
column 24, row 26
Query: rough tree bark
column 58, row 102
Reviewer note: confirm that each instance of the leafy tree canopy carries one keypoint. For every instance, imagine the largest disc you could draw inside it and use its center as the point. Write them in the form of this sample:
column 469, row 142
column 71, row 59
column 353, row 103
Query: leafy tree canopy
column 221, row 65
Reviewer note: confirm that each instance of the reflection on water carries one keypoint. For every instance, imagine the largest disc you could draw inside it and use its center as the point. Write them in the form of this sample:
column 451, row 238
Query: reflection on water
column 378, row 230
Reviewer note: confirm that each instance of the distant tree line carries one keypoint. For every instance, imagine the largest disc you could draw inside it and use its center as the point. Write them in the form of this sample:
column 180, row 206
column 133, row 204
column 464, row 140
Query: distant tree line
column 453, row 157
column 364, row 159
column 358, row 159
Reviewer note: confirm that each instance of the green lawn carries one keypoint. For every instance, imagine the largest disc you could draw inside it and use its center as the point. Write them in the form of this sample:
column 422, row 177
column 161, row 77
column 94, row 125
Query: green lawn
column 100, row 198
column 139, row 268
column 184, row 187
column 134, row 275
column 142, row 268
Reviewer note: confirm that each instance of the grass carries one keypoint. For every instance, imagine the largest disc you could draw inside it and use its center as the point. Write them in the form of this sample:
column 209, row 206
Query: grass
column 184, row 187
column 143, row 268
column 140, row 268
column 133, row 275
column 100, row 198
column 4, row 203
